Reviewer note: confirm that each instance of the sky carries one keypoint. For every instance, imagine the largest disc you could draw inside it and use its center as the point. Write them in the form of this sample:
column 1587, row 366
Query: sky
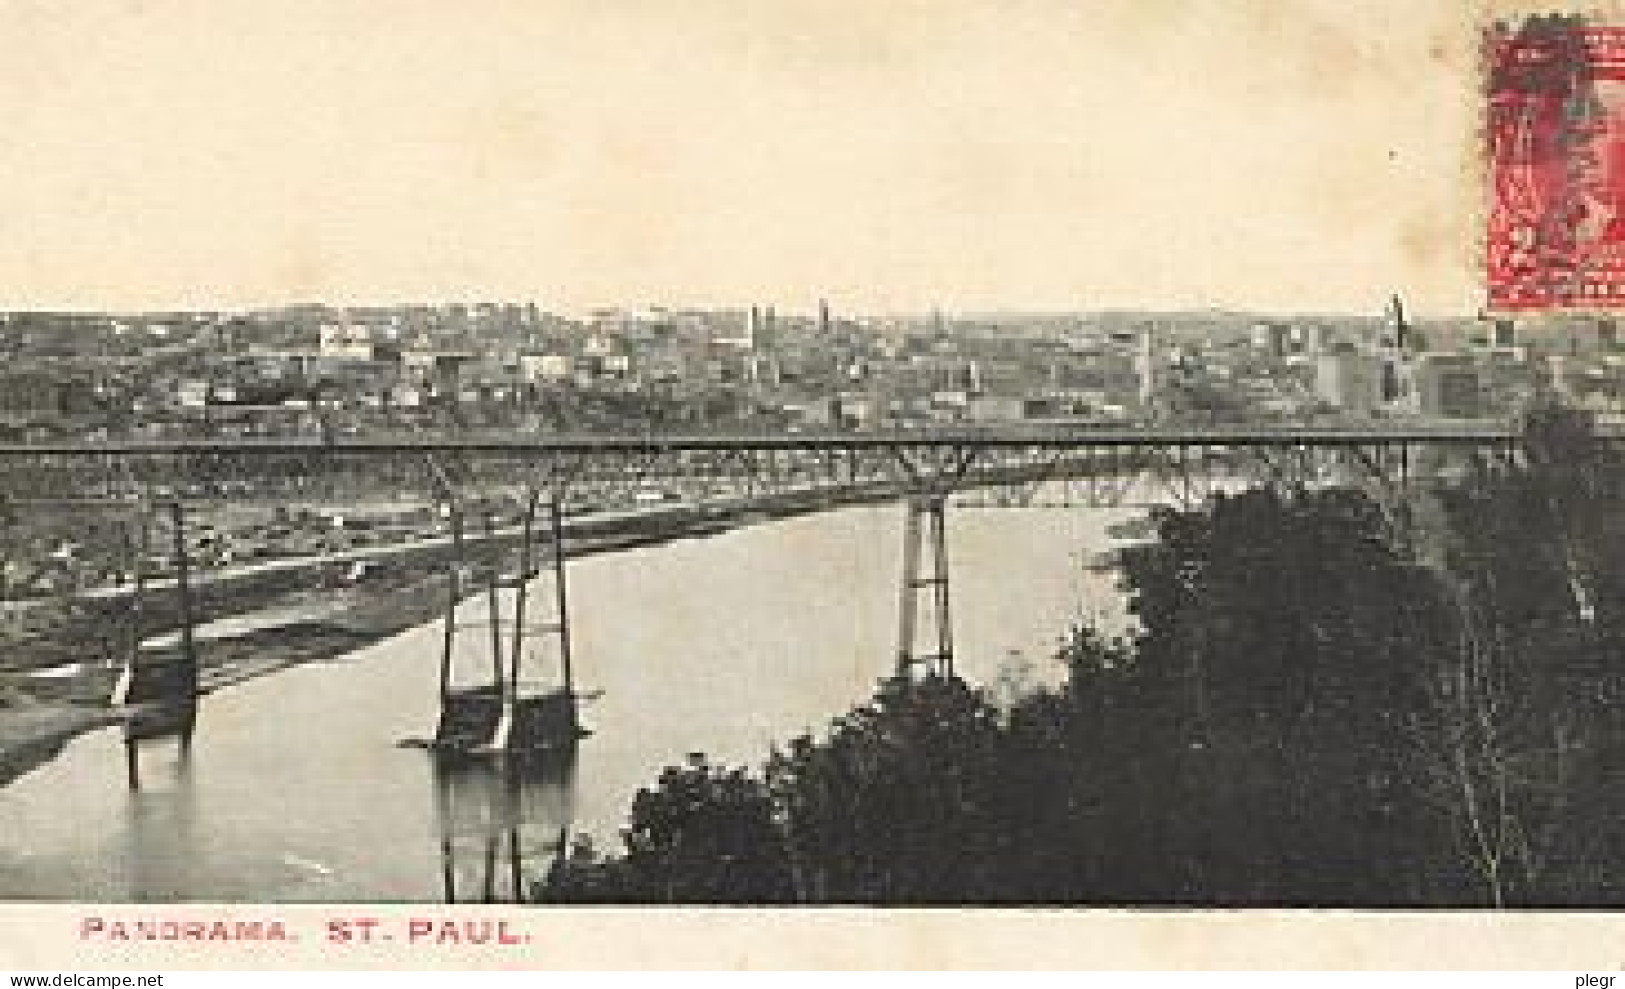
column 890, row 155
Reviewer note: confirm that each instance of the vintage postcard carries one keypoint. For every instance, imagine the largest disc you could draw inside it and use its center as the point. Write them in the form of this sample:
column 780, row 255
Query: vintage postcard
column 811, row 483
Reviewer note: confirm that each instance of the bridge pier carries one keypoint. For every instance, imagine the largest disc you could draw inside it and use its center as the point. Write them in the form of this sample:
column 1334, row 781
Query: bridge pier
column 157, row 721
column 508, row 712
column 925, row 575
column 163, row 687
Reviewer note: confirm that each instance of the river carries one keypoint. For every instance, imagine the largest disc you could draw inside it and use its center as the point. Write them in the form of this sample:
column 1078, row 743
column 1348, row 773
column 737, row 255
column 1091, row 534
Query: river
column 296, row 790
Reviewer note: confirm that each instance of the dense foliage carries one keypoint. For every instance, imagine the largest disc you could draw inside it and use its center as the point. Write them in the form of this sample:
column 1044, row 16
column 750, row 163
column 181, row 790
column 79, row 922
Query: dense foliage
column 1326, row 703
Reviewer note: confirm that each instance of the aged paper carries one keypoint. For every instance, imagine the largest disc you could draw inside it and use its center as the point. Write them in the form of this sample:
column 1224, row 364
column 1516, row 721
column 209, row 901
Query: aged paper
column 924, row 167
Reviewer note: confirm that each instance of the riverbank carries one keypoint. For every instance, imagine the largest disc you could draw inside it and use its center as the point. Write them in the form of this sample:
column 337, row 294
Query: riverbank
column 32, row 736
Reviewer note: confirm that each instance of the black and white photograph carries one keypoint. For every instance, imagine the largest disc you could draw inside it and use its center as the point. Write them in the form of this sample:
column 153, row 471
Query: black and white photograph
column 815, row 453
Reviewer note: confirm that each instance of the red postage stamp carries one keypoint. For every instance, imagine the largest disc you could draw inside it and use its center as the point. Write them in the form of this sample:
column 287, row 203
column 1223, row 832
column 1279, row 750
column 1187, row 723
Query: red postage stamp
column 1555, row 235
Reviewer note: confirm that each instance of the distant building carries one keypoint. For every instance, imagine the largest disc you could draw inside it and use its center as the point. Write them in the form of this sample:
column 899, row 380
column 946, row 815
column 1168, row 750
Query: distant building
column 812, row 414
column 435, row 365
column 1313, row 339
column 192, row 394
column 1394, row 350
column 351, row 341
column 765, row 335
column 38, row 392
column 855, row 411
column 1449, row 386
column 1558, row 367
column 598, row 345
column 995, row 408
column 1349, row 380
column 546, row 367
column 1271, row 339
column 1570, row 336
column 1145, row 365
column 757, row 331
column 1396, row 328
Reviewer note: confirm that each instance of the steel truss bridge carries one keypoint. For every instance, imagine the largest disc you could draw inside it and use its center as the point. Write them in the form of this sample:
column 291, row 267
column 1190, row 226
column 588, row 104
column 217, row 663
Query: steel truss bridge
column 913, row 462
column 542, row 481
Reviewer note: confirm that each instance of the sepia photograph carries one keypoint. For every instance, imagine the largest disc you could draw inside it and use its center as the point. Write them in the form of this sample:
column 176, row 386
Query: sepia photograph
column 1091, row 455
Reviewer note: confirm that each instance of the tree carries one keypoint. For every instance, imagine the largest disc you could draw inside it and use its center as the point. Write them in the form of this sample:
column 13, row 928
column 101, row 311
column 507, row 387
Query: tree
column 906, row 801
column 1524, row 724
column 702, row 834
column 1274, row 670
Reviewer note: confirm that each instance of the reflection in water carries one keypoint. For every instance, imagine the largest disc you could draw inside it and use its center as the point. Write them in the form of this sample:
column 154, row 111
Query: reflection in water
column 161, row 857
column 158, row 723
column 503, row 822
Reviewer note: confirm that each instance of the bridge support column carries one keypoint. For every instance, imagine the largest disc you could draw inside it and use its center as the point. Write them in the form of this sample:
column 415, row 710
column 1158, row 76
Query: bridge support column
column 468, row 713
column 925, row 575
column 509, row 712
column 454, row 594
column 549, row 718
column 561, row 602
column 169, row 682
column 160, row 692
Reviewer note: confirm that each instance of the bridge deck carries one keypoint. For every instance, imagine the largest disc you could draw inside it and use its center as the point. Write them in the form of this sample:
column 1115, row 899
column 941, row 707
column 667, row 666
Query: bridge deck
column 1454, row 434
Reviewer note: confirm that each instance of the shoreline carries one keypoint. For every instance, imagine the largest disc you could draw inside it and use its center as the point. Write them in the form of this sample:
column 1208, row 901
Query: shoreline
column 32, row 737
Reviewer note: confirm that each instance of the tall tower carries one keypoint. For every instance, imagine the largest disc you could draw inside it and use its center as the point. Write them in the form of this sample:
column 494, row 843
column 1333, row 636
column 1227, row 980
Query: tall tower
column 764, row 348
column 1396, row 377
column 1313, row 340
column 1557, row 366
column 1397, row 330
column 1145, row 364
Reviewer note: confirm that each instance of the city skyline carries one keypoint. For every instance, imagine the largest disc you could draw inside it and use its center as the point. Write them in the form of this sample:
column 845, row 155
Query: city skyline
column 794, row 309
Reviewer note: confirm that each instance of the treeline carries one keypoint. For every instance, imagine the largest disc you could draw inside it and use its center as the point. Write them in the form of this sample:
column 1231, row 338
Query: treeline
column 1333, row 699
